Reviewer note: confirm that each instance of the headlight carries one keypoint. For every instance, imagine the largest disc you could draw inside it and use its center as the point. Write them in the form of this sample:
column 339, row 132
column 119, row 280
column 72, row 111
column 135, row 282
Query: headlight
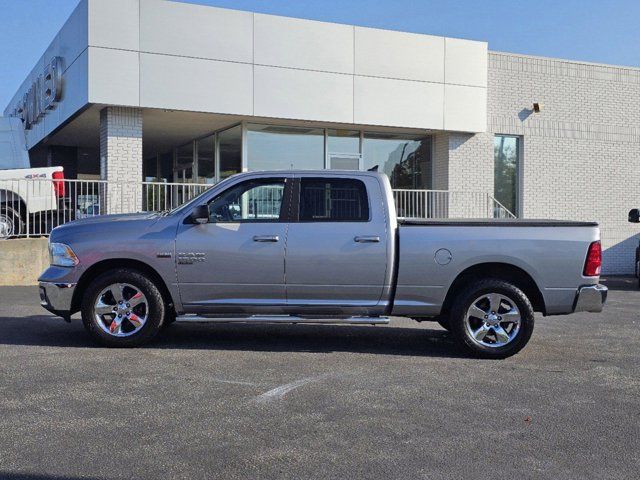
column 62, row 255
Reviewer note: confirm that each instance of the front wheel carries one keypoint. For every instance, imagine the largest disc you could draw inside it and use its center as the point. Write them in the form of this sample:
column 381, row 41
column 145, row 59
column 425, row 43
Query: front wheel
column 123, row 308
column 492, row 319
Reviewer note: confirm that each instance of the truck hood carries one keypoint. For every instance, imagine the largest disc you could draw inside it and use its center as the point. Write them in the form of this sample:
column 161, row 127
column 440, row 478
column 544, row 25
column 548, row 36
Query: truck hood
column 117, row 217
column 121, row 227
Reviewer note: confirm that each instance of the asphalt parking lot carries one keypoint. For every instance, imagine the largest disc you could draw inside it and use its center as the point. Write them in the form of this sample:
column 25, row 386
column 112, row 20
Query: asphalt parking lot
column 400, row 401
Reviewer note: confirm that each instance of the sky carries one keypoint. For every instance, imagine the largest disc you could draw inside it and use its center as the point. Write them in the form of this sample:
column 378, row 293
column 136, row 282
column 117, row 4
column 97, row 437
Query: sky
column 604, row 31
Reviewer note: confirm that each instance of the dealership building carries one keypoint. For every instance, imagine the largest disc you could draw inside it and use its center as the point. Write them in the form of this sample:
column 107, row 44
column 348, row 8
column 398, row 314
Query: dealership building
column 133, row 90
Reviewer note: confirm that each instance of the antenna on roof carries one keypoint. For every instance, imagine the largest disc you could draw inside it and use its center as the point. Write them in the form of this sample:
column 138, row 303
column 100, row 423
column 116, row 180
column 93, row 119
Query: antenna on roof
column 373, row 169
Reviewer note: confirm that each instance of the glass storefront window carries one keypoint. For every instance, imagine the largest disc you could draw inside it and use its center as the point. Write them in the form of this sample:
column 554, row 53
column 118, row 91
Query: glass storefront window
column 206, row 160
column 184, row 163
column 406, row 160
column 271, row 147
column 230, row 151
column 505, row 154
column 343, row 141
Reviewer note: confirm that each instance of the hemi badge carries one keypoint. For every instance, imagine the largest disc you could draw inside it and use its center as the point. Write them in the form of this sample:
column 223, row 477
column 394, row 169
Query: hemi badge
column 163, row 254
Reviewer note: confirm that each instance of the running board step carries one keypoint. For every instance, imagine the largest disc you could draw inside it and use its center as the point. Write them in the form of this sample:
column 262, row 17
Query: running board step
column 284, row 319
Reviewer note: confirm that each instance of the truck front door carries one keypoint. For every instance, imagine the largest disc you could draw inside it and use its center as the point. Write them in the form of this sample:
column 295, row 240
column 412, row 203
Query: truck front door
column 235, row 263
column 336, row 254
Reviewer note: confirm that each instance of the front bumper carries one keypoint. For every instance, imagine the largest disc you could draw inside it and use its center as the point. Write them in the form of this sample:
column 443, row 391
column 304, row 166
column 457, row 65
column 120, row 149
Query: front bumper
column 57, row 297
column 591, row 298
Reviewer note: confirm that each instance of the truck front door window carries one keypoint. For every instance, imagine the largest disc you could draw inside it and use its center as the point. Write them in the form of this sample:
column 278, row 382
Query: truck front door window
column 253, row 201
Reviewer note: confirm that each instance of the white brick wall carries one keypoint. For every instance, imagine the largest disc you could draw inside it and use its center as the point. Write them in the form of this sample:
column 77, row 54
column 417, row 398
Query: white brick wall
column 580, row 155
column 121, row 158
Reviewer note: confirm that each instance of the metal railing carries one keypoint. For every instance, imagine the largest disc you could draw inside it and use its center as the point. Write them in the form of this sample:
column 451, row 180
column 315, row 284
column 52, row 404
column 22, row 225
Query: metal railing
column 433, row 204
column 33, row 207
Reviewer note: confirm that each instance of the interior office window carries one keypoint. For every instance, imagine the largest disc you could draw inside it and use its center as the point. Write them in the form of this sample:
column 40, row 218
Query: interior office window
column 251, row 201
column 333, row 200
column 230, row 151
column 506, row 151
column 272, row 147
column 206, row 160
column 407, row 160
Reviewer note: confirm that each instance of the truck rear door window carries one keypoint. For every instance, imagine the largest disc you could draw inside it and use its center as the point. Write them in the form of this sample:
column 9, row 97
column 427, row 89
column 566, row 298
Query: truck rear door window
column 333, row 200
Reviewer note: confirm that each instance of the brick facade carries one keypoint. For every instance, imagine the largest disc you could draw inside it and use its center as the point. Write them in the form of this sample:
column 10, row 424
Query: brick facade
column 121, row 158
column 580, row 156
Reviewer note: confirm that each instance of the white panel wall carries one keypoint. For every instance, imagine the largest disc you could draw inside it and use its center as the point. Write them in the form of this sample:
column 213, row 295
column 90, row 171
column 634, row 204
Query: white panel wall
column 195, row 84
column 466, row 108
column 195, row 31
column 304, row 44
column 114, row 24
column 383, row 53
column 114, row 76
column 401, row 103
column 303, row 94
column 160, row 54
column 466, row 62
column 75, row 93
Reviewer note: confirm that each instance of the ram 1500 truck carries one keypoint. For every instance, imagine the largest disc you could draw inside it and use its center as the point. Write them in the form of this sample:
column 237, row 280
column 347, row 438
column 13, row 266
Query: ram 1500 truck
column 318, row 247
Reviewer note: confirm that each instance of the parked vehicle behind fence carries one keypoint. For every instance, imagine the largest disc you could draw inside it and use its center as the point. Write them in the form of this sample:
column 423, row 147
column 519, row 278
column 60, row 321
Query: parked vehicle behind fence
column 26, row 206
column 318, row 247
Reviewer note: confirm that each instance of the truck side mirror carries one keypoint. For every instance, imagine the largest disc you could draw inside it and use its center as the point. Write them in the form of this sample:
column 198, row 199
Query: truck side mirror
column 634, row 215
column 200, row 214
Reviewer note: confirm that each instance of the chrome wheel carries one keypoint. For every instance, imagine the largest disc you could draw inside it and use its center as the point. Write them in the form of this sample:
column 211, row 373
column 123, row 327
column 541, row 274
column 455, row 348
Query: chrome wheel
column 6, row 226
column 121, row 310
column 493, row 320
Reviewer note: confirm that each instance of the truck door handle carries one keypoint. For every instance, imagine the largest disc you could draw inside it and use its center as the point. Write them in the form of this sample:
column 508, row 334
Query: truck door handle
column 266, row 238
column 367, row 239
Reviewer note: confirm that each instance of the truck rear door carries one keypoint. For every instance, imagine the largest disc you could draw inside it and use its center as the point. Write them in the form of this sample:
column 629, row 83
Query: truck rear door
column 336, row 252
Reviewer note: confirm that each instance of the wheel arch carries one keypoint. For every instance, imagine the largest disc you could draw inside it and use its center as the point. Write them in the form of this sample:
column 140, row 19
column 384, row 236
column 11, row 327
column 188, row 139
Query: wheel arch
column 501, row 271
column 10, row 198
column 115, row 263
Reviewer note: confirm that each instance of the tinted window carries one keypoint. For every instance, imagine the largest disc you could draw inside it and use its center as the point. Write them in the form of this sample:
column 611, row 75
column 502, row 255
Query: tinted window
column 333, row 200
column 252, row 201
column 505, row 153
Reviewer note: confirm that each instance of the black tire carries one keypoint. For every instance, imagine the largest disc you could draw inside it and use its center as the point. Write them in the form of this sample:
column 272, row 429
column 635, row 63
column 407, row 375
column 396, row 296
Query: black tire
column 169, row 318
column 463, row 302
column 155, row 304
column 13, row 220
column 444, row 323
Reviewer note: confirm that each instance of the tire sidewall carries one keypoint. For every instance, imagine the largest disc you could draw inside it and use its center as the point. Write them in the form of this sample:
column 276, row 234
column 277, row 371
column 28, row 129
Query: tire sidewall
column 156, row 313
column 482, row 287
column 15, row 219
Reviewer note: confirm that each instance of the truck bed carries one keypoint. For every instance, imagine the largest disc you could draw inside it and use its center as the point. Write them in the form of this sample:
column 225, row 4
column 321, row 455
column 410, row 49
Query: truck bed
column 493, row 222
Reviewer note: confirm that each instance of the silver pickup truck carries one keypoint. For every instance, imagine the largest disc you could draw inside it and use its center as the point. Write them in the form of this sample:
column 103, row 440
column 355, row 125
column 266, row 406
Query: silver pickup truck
column 318, row 247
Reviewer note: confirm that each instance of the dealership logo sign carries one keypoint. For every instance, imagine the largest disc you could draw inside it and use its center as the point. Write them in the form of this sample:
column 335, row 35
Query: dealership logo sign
column 43, row 95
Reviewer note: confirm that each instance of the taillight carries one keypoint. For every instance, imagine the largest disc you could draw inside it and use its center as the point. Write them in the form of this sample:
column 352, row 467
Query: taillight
column 58, row 184
column 593, row 264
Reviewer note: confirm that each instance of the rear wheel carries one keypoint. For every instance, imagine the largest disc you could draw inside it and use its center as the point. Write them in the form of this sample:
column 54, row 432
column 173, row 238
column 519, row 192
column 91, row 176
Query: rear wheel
column 11, row 224
column 492, row 319
column 123, row 308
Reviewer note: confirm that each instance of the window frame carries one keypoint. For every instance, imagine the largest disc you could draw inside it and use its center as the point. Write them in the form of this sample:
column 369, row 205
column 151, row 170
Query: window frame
column 297, row 191
column 518, row 171
column 285, row 207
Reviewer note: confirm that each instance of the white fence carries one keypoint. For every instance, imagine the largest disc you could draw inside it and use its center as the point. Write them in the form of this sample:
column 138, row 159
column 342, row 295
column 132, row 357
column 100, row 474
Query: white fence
column 427, row 204
column 33, row 207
